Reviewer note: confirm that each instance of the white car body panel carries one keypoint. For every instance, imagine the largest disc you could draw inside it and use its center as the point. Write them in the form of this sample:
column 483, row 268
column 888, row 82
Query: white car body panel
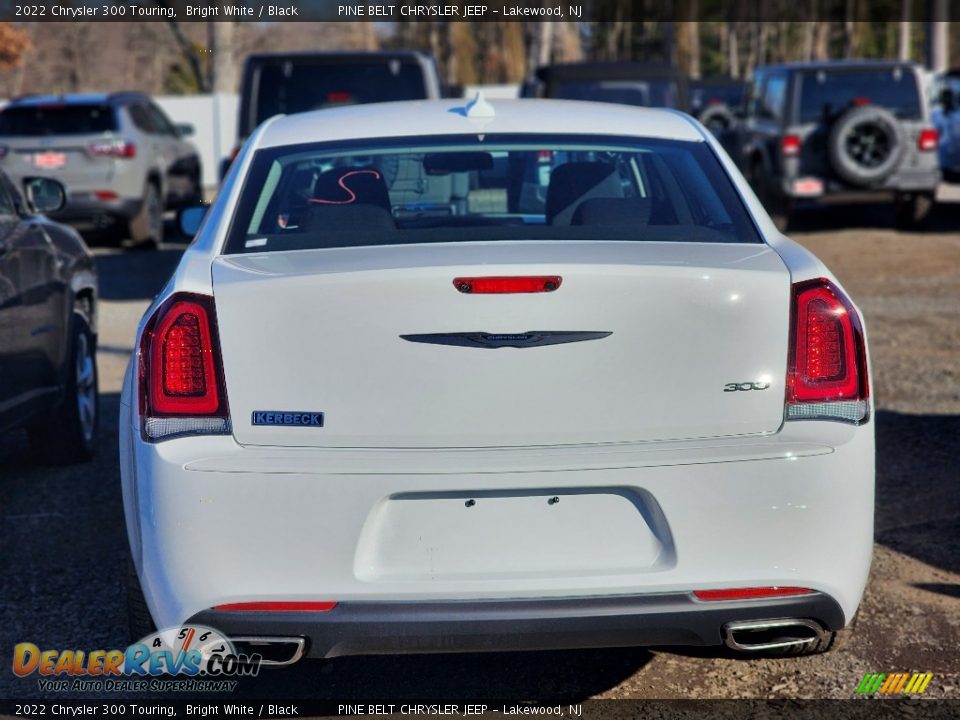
column 695, row 494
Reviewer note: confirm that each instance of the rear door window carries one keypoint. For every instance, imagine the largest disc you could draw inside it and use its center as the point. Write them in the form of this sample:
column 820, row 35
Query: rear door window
column 57, row 119
column 774, row 96
column 825, row 94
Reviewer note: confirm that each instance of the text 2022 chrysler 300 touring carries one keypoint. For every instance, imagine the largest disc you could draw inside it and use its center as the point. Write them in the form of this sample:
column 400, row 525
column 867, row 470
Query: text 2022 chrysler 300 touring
column 524, row 375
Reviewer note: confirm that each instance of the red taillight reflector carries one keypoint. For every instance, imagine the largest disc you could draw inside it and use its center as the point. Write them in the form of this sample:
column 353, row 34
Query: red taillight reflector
column 790, row 146
column 927, row 140
column 105, row 195
column 750, row 593
column 277, row 607
column 123, row 149
column 503, row 285
column 827, row 352
column 180, row 360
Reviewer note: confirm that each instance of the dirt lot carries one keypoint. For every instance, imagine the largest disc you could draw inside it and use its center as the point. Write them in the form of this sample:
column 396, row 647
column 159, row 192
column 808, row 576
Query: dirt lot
column 63, row 547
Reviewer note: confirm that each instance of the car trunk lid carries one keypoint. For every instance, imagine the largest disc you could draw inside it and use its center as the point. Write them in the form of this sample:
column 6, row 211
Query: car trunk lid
column 640, row 342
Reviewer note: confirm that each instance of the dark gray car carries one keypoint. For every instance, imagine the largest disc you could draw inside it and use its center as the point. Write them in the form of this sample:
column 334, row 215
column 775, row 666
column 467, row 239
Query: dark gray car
column 837, row 132
column 48, row 303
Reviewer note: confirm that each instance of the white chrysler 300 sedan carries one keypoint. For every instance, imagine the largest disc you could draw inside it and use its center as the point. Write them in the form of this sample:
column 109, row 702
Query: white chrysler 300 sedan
column 536, row 374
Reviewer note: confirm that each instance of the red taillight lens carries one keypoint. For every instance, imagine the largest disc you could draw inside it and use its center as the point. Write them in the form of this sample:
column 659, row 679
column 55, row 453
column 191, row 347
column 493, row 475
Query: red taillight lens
column 750, row 593
column 790, row 146
column 828, row 365
column 180, row 369
column 123, row 149
column 277, row 607
column 105, row 195
column 502, row 285
column 927, row 140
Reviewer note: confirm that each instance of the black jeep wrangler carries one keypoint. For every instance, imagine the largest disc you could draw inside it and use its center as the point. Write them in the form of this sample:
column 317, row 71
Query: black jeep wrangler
column 838, row 132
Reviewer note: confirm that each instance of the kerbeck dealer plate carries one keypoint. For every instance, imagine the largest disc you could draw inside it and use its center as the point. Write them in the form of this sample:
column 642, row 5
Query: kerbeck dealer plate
column 293, row 418
column 49, row 160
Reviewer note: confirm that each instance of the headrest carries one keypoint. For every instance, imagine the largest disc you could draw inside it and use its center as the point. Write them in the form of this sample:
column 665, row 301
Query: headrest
column 613, row 212
column 356, row 219
column 574, row 182
column 350, row 185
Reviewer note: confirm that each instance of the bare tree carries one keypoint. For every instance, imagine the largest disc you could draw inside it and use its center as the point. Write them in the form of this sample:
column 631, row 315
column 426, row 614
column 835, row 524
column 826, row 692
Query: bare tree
column 904, row 49
column 937, row 49
column 223, row 61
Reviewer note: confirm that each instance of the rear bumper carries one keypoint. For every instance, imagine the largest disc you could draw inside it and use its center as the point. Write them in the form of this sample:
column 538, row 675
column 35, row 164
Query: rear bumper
column 85, row 211
column 359, row 628
column 212, row 522
column 838, row 193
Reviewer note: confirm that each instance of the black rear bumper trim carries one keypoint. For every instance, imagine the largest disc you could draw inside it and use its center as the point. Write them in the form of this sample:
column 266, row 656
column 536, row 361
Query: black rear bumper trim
column 384, row 628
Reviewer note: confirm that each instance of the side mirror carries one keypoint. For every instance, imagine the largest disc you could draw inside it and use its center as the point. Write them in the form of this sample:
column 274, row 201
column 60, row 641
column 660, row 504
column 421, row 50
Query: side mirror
column 186, row 130
column 44, row 195
column 190, row 219
column 948, row 100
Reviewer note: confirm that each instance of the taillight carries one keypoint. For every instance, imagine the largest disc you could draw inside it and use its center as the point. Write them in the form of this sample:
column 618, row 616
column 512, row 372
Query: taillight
column 502, row 285
column 181, row 377
column 827, row 375
column 123, row 149
column 105, row 195
column 927, row 140
column 750, row 593
column 790, row 146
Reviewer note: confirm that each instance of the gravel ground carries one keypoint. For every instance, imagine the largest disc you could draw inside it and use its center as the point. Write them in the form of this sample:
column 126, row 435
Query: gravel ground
column 63, row 547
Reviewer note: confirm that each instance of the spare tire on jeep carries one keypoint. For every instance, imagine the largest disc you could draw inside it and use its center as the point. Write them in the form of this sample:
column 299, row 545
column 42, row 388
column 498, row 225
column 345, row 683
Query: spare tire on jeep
column 865, row 145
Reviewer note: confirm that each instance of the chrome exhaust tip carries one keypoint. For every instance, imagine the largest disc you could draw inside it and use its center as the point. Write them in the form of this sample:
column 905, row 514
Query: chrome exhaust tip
column 759, row 635
column 274, row 652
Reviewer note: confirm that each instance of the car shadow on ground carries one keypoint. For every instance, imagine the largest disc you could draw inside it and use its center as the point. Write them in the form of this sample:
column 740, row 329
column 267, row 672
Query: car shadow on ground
column 135, row 275
column 917, row 501
column 945, row 217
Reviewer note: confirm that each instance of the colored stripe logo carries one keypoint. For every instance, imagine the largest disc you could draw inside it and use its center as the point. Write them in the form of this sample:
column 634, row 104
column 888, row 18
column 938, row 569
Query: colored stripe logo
column 894, row 683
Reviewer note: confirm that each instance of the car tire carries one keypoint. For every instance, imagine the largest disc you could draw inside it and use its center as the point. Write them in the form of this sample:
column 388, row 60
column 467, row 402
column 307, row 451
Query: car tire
column 865, row 145
column 146, row 229
column 717, row 118
column 912, row 210
column 139, row 621
column 69, row 434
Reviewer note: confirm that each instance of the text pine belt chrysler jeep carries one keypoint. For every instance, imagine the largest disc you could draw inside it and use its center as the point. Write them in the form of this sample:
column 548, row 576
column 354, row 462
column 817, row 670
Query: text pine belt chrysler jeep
column 634, row 414
column 836, row 132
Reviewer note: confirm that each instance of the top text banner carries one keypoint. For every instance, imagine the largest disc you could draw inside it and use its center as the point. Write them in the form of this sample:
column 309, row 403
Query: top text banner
column 451, row 11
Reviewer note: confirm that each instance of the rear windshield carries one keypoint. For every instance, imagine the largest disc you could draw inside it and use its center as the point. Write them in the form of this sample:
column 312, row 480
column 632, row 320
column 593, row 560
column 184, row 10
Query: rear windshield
column 826, row 94
column 287, row 87
column 645, row 93
column 58, row 120
column 486, row 188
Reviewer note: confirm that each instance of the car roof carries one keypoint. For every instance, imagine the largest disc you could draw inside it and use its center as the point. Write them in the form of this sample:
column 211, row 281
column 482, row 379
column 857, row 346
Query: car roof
column 338, row 56
column 448, row 117
column 76, row 99
column 838, row 65
column 607, row 71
